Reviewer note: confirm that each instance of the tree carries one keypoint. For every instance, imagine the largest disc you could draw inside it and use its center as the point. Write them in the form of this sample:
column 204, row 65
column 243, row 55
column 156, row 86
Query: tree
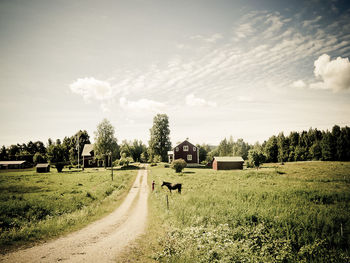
column 225, row 148
column 256, row 157
column 144, row 157
column 56, row 155
column 203, row 149
column 271, row 150
column 159, row 143
column 283, row 147
column 178, row 165
column 38, row 158
column 105, row 141
column 137, row 149
column 3, row 154
column 240, row 148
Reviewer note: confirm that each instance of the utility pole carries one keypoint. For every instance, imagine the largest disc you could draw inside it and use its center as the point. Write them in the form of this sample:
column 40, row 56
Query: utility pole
column 78, row 148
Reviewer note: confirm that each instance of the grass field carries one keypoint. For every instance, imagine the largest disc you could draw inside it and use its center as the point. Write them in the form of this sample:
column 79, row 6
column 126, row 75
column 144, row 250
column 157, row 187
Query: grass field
column 297, row 212
column 40, row 206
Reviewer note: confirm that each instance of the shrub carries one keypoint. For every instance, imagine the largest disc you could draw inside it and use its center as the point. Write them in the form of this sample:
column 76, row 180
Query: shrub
column 178, row 165
column 157, row 159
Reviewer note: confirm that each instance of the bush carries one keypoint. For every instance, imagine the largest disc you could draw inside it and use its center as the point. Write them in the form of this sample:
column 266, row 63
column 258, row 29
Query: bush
column 157, row 159
column 178, row 165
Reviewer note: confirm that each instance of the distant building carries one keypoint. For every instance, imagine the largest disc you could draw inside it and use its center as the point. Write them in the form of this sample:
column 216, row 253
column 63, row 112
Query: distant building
column 228, row 163
column 43, row 168
column 89, row 159
column 186, row 151
column 13, row 164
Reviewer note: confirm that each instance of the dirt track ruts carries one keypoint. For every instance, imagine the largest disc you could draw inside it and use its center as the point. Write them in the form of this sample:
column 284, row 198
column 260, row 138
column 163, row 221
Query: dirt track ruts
column 100, row 241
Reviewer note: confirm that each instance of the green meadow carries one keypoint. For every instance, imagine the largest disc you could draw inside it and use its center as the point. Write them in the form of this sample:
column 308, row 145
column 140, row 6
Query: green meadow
column 297, row 212
column 37, row 206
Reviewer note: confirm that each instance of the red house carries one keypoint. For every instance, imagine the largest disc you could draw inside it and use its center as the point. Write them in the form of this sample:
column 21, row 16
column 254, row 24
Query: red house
column 186, row 151
column 89, row 159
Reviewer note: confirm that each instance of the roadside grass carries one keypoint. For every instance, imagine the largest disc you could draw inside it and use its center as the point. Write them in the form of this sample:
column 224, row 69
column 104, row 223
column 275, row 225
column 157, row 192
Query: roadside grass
column 297, row 212
column 35, row 207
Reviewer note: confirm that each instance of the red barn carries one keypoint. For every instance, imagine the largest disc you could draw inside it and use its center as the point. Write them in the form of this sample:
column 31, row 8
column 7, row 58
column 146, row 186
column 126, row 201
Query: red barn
column 228, row 163
column 186, row 151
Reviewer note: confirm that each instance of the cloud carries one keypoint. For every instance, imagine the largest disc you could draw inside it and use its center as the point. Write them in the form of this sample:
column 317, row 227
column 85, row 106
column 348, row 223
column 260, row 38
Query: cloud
column 307, row 23
column 335, row 74
column 299, row 84
column 244, row 30
column 92, row 89
column 210, row 39
column 193, row 101
column 245, row 99
column 141, row 105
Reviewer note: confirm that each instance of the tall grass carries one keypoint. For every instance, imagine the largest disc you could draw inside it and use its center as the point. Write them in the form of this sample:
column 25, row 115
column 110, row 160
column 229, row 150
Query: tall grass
column 37, row 206
column 280, row 213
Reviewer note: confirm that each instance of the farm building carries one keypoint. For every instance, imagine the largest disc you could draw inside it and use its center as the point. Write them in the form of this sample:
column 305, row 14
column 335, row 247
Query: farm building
column 228, row 163
column 43, row 168
column 13, row 164
column 89, row 159
column 186, row 151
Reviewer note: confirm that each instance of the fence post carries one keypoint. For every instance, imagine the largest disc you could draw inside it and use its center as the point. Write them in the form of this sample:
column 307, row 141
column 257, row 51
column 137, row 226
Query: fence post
column 167, row 202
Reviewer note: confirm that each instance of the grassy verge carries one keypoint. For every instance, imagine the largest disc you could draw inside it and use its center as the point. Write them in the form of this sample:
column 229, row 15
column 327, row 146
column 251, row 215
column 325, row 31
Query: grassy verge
column 35, row 206
column 297, row 212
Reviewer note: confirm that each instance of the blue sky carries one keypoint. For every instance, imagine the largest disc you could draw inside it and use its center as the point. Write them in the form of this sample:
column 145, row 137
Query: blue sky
column 249, row 69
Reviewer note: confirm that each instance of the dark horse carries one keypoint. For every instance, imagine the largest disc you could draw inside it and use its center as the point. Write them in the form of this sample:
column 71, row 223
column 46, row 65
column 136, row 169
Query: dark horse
column 172, row 186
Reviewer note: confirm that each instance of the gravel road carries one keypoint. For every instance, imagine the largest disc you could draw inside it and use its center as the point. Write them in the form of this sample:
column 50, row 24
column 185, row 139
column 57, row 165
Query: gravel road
column 100, row 241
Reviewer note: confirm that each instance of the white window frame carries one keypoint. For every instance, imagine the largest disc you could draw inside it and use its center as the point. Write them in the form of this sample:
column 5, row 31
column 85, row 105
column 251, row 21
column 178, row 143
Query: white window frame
column 185, row 148
column 189, row 157
column 194, row 148
column 177, row 149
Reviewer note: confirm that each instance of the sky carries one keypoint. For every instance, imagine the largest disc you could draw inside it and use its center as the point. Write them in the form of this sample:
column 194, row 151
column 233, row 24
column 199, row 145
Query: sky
column 246, row 69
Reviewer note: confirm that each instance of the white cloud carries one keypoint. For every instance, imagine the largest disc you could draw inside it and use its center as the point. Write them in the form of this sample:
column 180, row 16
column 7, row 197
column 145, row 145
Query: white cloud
column 92, row 89
column 244, row 30
column 307, row 23
column 335, row 74
column 299, row 84
column 193, row 101
column 245, row 99
column 210, row 39
column 141, row 105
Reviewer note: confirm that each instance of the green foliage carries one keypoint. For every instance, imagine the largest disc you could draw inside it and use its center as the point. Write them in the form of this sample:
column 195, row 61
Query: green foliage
column 144, row 157
column 39, row 206
column 280, row 213
column 39, row 158
column 105, row 141
column 56, row 154
column 203, row 149
column 178, row 165
column 159, row 143
column 271, row 150
column 157, row 158
column 255, row 158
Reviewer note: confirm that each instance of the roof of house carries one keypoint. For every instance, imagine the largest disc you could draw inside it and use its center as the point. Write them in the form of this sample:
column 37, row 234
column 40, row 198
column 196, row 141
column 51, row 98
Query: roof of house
column 11, row 162
column 42, row 165
column 229, row 159
column 184, row 142
column 88, row 148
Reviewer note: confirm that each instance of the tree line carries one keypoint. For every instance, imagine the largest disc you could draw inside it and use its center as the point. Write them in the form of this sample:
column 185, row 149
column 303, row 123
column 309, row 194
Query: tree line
column 106, row 147
column 314, row 144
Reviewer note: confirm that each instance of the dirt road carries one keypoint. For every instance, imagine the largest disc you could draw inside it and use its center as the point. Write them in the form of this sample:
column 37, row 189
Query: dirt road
column 102, row 240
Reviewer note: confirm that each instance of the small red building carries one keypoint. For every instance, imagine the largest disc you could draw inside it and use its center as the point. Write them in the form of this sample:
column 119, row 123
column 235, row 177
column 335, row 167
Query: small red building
column 186, row 151
column 228, row 163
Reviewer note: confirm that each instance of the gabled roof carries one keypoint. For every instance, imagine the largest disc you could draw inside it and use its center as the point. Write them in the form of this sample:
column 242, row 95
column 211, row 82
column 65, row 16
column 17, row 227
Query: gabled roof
column 11, row 162
column 88, row 148
column 229, row 159
column 42, row 165
column 185, row 141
